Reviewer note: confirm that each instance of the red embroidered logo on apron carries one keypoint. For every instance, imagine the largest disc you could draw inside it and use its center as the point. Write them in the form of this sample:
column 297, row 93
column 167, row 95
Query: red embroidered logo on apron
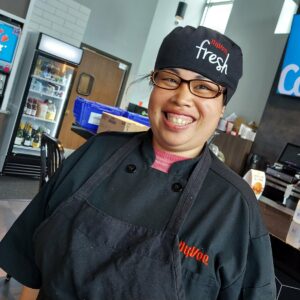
column 193, row 252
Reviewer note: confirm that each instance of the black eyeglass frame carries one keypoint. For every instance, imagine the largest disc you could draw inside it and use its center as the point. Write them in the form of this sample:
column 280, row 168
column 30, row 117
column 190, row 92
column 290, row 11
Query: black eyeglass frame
column 221, row 90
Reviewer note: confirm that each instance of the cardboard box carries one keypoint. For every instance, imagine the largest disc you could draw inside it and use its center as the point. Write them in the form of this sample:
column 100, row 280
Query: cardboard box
column 111, row 122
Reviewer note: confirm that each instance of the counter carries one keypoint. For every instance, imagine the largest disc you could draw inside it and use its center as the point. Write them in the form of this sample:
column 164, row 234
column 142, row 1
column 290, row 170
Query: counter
column 286, row 258
column 276, row 217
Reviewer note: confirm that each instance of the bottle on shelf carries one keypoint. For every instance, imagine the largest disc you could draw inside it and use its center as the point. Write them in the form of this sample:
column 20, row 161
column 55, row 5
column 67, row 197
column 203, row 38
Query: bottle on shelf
column 36, row 85
column 38, row 69
column 43, row 69
column 58, row 92
column 34, row 107
column 25, row 109
column 42, row 108
column 36, row 141
column 48, row 70
column 34, row 131
column 20, row 134
column 51, row 111
column 64, row 80
column 27, row 135
column 28, row 107
column 48, row 130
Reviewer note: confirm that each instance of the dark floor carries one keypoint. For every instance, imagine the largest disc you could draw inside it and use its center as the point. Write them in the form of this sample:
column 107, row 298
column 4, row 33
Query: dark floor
column 9, row 210
column 9, row 290
column 16, row 187
column 15, row 195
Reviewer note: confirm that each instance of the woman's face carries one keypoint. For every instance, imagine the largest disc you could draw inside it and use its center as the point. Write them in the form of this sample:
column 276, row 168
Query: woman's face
column 182, row 122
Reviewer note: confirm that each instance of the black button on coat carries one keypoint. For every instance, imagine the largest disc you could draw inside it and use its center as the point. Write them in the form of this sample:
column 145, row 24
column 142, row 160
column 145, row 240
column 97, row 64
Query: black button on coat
column 177, row 187
column 131, row 168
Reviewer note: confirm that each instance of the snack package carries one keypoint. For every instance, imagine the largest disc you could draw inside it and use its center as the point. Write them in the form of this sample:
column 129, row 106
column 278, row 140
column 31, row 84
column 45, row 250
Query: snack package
column 257, row 180
column 293, row 236
column 296, row 217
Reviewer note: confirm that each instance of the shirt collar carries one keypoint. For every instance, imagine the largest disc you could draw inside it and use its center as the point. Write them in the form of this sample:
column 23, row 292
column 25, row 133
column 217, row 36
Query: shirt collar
column 177, row 167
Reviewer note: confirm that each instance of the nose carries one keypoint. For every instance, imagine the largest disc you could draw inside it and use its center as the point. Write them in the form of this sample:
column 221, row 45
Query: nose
column 183, row 96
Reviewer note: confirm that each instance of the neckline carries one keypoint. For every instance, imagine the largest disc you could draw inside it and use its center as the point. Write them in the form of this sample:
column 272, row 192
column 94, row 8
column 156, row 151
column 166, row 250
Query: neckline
column 178, row 167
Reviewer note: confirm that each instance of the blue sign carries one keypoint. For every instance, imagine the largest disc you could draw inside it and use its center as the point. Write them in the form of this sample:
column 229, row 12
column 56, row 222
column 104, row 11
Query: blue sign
column 289, row 81
column 9, row 37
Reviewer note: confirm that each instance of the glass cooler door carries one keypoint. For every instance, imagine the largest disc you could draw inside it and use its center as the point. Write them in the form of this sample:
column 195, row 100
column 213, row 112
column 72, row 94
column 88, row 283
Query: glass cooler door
column 44, row 103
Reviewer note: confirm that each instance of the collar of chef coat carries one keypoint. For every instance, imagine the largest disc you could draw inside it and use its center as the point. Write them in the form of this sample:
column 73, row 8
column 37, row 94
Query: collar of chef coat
column 177, row 167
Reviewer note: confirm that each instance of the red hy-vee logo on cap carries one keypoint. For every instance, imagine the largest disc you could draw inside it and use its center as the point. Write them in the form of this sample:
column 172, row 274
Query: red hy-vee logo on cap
column 213, row 58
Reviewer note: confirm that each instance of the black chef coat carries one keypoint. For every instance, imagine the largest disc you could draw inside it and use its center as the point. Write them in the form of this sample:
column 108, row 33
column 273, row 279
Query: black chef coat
column 224, row 246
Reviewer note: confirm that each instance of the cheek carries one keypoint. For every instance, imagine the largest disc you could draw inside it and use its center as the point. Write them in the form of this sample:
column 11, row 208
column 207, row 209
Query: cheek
column 211, row 113
column 152, row 106
column 155, row 101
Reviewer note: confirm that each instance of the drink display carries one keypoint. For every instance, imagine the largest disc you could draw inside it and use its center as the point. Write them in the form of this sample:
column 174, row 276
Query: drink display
column 47, row 70
column 46, row 97
column 29, row 135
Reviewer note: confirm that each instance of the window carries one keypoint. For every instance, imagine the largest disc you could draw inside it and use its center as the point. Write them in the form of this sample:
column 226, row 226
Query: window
column 216, row 14
column 284, row 23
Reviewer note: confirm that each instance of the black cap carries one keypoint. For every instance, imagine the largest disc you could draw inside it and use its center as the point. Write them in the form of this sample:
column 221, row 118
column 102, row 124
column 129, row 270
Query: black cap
column 204, row 51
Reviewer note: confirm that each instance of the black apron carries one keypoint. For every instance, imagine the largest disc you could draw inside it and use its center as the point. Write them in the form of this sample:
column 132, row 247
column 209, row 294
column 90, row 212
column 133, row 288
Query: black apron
column 85, row 254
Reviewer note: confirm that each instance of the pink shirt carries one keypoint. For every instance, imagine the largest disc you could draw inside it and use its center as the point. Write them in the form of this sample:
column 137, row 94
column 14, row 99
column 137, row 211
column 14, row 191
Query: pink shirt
column 164, row 160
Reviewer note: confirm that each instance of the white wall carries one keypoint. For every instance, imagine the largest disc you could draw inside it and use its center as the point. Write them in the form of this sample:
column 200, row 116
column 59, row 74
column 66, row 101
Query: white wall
column 62, row 19
column 120, row 28
column 163, row 22
column 251, row 25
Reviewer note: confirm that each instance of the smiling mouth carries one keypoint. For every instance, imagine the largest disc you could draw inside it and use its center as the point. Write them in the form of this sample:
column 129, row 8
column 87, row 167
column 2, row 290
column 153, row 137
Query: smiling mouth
column 179, row 120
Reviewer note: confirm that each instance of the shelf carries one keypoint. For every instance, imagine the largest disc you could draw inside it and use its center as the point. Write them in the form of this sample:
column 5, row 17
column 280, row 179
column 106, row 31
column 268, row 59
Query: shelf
column 26, row 150
column 44, row 94
column 49, row 80
column 277, row 218
column 38, row 119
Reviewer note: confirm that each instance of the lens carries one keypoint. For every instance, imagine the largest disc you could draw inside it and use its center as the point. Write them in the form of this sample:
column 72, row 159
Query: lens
column 166, row 80
column 201, row 88
column 204, row 88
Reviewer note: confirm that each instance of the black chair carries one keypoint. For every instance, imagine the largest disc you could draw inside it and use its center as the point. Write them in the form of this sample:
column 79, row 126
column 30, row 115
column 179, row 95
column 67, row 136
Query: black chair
column 52, row 155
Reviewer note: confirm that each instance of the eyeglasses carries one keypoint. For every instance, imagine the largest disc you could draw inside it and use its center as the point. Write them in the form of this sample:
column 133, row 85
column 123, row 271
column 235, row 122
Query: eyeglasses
column 198, row 87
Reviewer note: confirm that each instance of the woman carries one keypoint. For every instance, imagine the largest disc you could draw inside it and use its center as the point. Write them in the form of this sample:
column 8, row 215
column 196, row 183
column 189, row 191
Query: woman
column 151, row 215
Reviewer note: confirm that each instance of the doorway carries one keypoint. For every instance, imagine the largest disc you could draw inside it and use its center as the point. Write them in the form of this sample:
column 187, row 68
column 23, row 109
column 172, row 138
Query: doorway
column 109, row 76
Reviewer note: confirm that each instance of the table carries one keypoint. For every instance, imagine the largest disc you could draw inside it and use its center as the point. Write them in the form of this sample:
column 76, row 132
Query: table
column 278, row 219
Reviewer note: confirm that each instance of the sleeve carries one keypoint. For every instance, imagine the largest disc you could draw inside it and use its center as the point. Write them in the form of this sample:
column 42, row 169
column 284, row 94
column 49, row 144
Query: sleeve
column 256, row 279
column 16, row 248
column 259, row 278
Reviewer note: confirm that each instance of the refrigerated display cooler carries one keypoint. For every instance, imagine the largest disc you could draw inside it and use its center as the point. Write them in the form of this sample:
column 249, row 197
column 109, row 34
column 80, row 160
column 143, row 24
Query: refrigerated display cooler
column 43, row 103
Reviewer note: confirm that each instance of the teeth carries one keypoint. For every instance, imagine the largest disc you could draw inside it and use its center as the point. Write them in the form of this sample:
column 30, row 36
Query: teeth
column 179, row 120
